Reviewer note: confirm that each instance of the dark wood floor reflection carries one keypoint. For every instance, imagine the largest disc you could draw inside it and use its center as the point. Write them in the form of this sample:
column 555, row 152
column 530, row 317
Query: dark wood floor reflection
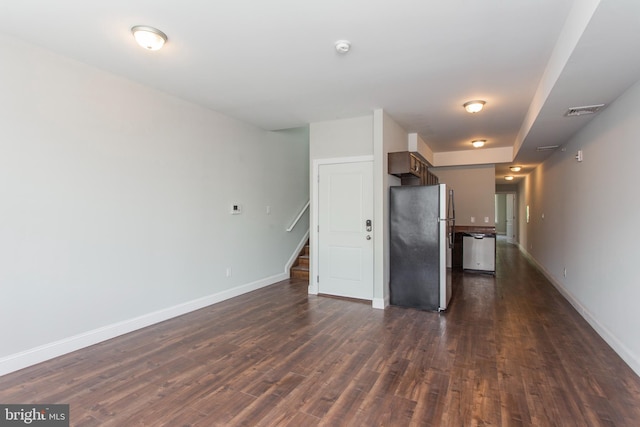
column 509, row 352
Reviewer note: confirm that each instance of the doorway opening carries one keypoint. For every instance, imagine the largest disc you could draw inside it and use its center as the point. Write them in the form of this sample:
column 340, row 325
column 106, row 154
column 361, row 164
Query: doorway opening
column 506, row 216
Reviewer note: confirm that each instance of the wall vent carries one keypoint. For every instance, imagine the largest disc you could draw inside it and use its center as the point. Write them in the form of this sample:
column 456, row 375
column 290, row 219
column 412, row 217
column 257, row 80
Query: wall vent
column 581, row 111
column 547, row 148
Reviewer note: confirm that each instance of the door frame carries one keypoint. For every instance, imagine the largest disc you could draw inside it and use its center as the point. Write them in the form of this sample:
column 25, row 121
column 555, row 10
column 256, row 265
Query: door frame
column 516, row 237
column 511, row 238
column 315, row 213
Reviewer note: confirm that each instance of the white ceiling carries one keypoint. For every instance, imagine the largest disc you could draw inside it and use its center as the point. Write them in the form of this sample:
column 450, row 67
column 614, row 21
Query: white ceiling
column 273, row 63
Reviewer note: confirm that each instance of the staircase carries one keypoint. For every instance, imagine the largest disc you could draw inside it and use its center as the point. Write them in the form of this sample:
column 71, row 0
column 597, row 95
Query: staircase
column 300, row 268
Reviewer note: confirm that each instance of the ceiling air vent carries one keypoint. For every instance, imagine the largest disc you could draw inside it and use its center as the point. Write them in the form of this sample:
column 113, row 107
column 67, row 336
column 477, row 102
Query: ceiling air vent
column 581, row 111
column 547, row 148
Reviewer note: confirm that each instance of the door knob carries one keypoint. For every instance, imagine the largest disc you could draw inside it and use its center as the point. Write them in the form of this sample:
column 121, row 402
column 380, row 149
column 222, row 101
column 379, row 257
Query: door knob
column 368, row 237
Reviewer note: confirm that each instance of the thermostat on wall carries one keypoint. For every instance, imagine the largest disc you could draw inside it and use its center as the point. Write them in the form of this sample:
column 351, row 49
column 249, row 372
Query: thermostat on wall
column 236, row 209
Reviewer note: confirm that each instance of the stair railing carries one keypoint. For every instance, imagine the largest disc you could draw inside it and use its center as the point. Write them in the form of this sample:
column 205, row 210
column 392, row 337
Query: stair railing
column 295, row 221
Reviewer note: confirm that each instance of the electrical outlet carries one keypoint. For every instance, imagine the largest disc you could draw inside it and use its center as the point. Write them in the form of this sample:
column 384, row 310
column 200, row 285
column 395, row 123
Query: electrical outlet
column 486, row 219
column 473, row 220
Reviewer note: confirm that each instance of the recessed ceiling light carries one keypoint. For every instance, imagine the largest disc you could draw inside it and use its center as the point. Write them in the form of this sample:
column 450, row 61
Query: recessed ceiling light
column 478, row 143
column 148, row 37
column 343, row 46
column 515, row 168
column 474, row 106
column 508, row 178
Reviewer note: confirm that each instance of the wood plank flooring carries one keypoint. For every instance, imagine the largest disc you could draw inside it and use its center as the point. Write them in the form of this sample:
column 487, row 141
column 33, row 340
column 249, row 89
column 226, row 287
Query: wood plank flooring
column 509, row 352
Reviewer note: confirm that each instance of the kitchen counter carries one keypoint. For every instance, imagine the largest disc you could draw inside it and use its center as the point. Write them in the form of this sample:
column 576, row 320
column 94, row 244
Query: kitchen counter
column 471, row 229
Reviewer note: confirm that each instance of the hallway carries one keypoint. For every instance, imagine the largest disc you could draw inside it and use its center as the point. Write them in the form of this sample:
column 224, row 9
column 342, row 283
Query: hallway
column 527, row 345
column 509, row 352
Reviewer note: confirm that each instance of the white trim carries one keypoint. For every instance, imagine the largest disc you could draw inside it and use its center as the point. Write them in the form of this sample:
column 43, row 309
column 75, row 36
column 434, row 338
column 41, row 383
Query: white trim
column 296, row 253
column 313, row 268
column 336, row 160
column 295, row 221
column 45, row 352
column 380, row 303
column 618, row 346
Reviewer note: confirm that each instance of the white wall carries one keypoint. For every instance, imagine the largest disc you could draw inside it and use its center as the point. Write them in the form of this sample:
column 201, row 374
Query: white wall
column 341, row 138
column 474, row 189
column 115, row 200
column 389, row 137
column 590, row 224
column 473, row 157
column 418, row 144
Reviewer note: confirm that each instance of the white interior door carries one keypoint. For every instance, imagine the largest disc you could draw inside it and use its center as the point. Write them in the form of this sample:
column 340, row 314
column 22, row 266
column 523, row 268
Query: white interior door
column 345, row 239
column 510, row 217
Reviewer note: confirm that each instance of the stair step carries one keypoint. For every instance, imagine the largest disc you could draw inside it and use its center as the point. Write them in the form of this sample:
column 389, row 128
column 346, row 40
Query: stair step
column 300, row 269
column 300, row 272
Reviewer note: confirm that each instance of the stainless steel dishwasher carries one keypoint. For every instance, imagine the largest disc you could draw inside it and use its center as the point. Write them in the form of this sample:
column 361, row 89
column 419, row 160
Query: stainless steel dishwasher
column 479, row 252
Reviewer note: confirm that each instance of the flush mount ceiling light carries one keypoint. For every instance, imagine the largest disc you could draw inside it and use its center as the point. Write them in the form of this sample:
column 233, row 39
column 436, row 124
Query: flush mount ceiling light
column 478, row 143
column 148, row 37
column 474, row 106
column 515, row 168
column 343, row 46
column 508, row 178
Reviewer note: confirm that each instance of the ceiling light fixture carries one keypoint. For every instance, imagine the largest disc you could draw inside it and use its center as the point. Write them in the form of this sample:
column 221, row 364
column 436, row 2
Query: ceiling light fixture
column 474, row 106
column 509, row 178
column 148, row 37
column 343, row 46
column 478, row 143
column 515, row 168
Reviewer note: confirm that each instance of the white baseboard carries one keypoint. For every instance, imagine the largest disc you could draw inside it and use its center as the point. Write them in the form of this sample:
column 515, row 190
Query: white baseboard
column 618, row 346
column 380, row 303
column 48, row 351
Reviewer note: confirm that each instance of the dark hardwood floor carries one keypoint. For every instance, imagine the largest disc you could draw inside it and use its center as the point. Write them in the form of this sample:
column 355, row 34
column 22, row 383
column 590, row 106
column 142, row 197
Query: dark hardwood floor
column 510, row 351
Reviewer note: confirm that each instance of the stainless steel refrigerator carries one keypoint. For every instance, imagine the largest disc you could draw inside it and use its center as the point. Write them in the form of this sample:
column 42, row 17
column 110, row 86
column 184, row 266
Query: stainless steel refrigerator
column 421, row 220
